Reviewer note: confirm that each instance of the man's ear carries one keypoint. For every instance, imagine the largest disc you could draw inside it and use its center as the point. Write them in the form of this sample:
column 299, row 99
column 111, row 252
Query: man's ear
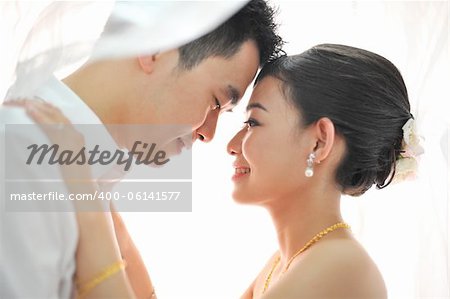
column 147, row 63
column 325, row 134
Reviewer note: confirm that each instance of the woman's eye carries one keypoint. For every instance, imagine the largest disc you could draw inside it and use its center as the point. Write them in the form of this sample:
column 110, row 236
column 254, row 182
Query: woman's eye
column 251, row 123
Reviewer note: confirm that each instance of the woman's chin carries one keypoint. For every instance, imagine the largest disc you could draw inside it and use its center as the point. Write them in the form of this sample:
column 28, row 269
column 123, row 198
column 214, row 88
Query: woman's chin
column 240, row 197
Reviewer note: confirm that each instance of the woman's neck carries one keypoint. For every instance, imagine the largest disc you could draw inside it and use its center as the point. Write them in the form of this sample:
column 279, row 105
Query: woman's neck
column 301, row 216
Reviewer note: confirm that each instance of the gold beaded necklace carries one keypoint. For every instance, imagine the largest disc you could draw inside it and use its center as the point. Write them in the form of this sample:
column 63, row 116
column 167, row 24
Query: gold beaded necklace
column 316, row 238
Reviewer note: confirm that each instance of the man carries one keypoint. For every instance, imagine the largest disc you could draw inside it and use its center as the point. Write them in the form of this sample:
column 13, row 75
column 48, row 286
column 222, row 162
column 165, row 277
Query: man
column 190, row 85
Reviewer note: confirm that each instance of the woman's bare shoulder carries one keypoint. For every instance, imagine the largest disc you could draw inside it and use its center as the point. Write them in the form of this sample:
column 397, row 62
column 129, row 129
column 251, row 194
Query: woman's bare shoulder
column 338, row 268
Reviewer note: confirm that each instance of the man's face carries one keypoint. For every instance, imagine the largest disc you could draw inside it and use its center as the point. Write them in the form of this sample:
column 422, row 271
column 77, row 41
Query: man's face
column 190, row 97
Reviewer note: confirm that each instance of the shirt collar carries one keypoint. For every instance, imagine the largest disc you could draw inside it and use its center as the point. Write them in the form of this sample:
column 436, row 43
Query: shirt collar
column 74, row 108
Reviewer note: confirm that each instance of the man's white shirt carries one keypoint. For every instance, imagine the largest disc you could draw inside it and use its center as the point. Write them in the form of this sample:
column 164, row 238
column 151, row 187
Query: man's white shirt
column 37, row 249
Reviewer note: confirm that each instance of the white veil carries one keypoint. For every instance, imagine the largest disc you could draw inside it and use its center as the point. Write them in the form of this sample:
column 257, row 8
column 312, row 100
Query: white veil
column 50, row 37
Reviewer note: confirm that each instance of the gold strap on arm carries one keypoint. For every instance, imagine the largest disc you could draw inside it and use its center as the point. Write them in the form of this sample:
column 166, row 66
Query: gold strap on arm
column 84, row 289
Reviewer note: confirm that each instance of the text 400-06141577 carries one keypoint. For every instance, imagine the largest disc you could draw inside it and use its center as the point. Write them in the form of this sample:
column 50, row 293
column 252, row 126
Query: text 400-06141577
column 145, row 195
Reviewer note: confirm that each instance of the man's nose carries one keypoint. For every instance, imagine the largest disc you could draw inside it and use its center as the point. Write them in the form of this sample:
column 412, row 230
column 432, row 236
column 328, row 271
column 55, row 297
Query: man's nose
column 207, row 130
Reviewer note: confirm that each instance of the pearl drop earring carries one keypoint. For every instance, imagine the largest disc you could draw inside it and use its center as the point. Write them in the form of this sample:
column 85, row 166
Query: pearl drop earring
column 309, row 172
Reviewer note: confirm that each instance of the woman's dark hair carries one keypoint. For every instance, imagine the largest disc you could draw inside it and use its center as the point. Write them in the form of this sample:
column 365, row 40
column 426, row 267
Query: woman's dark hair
column 363, row 94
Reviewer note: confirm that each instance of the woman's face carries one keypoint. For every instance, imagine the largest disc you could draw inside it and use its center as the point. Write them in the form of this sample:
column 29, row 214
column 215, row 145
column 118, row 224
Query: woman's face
column 271, row 150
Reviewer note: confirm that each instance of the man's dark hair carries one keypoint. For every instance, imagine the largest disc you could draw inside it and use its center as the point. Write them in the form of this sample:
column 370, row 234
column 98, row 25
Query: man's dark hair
column 255, row 21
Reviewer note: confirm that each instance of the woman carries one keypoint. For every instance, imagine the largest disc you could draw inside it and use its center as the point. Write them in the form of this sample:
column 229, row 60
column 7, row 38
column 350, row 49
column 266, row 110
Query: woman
column 320, row 124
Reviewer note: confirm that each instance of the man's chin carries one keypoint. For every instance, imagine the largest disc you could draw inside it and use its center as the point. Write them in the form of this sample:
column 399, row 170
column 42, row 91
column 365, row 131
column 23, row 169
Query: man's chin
column 164, row 153
column 172, row 149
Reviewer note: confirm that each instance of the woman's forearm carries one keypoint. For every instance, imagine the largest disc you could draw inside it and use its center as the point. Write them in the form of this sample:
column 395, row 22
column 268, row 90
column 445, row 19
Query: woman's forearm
column 97, row 251
column 136, row 270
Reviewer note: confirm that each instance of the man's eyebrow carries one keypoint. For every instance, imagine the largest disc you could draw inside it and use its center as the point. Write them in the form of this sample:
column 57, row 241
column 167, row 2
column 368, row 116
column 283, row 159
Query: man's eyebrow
column 255, row 105
column 233, row 94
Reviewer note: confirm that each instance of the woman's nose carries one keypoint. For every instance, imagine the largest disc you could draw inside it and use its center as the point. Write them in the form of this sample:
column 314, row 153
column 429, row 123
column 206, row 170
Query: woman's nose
column 235, row 144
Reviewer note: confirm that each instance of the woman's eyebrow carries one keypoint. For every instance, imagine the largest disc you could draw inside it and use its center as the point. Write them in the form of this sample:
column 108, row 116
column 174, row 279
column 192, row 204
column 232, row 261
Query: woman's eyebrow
column 256, row 106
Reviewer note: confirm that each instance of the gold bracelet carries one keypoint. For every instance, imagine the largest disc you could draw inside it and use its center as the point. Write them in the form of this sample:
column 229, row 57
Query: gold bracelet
column 99, row 278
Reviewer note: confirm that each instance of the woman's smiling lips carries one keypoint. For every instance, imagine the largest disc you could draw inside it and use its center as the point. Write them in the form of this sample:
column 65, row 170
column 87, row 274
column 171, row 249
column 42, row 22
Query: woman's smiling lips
column 240, row 171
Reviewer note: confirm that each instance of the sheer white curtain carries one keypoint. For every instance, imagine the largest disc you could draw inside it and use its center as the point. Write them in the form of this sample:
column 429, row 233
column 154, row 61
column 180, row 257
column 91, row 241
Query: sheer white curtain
column 215, row 251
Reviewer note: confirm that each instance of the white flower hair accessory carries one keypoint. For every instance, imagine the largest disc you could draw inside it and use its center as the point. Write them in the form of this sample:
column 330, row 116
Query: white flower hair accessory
column 407, row 162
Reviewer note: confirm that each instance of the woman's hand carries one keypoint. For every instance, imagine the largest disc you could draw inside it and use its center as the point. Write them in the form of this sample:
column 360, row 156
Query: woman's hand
column 61, row 132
